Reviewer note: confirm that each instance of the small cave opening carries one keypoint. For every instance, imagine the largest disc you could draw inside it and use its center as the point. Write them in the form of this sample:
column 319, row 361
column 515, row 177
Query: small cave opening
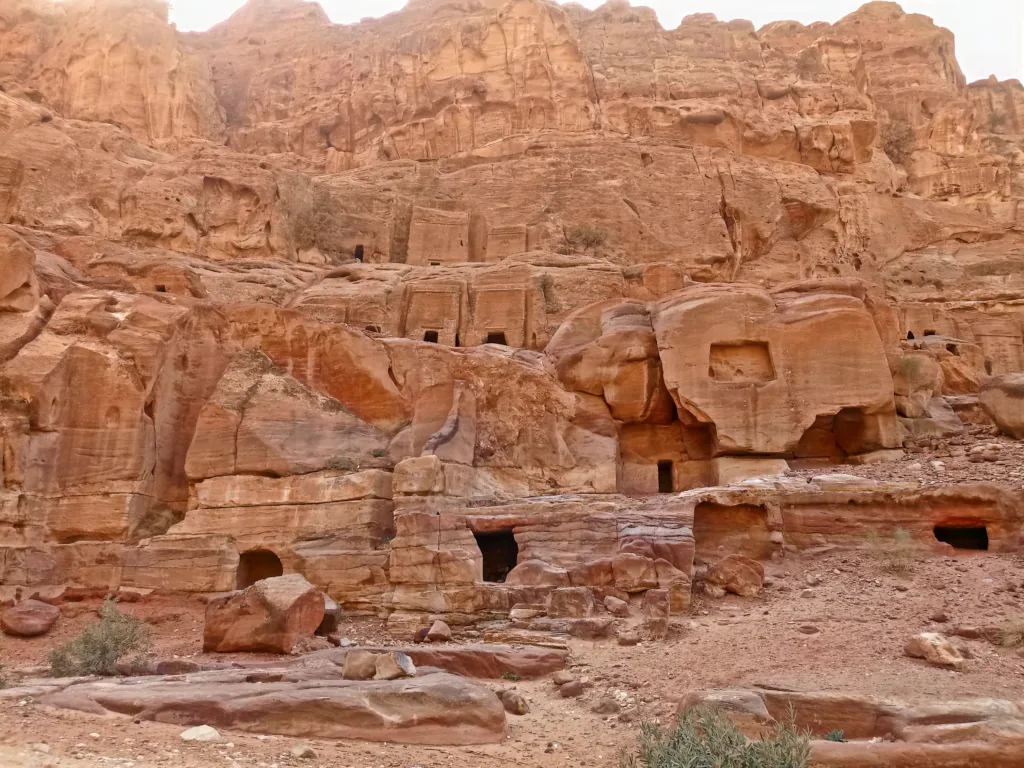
column 500, row 554
column 357, row 254
column 373, row 329
column 953, row 350
column 161, row 288
column 430, row 336
column 910, row 336
column 963, row 536
column 255, row 565
column 929, row 332
column 496, row 337
column 988, row 367
column 666, row 477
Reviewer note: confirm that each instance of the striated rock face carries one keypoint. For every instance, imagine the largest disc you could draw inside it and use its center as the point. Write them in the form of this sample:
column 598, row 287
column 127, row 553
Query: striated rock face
column 438, row 309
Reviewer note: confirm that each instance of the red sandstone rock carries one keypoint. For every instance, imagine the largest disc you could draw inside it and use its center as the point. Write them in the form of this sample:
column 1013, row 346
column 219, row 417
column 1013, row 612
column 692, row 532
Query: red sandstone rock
column 433, row 709
column 29, row 618
column 1003, row 399
column 737, row 574
column 571, row 603
column 272, row 615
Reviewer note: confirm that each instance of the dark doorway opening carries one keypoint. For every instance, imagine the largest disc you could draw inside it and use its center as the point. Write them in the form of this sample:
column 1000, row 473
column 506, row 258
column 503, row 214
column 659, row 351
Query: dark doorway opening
column 357, row 254
column 161, row 289
column 373, row 329
column 430, row 336
column 256, row 565
column 496, row 337
column 666, row 481
column 910, row 335
column 962, row 536
column 929, row 332
column 500, row 553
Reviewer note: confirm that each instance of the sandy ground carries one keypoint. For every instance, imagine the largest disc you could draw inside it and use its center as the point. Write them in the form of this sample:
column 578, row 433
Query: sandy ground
column 863, row 617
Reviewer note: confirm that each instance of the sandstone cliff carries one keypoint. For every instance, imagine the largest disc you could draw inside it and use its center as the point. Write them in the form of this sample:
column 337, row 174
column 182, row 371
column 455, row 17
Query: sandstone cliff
column 303, row 287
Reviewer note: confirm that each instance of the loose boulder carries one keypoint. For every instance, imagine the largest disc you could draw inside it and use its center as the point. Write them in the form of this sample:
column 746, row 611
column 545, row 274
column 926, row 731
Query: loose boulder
column 935, row 649
column 616, row 607
column 1002, row 398
column 359, row 665
column 272, row 615
column 29, row 618
column 737, row 574
column 392, row 666
column 439, row 632
column 514, row 702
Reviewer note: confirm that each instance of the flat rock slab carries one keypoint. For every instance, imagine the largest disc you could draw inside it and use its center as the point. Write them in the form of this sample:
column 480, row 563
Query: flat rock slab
column 491, row 663
column 485, row 662
column 862, row 754
column 439, row 709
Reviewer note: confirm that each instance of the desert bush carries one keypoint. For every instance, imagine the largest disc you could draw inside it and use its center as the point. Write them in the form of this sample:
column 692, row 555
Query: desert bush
column 1012, row 635
column 102, row 644
column 3, row 678
column 513, row 676
column 703, row 737
column 585, row 238
column 836, row 735
column 894, row 553
column 898, row 141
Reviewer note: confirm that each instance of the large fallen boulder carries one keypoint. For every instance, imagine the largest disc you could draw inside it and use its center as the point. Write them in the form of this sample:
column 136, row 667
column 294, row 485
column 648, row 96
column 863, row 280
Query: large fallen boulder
column 29, row 618
column 272, row 615
column 737, row 574
column 1003, row 400
column 436, row 708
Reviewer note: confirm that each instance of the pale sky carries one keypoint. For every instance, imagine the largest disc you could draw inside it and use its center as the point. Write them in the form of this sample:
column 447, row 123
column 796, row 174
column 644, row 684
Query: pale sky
column 989, row 33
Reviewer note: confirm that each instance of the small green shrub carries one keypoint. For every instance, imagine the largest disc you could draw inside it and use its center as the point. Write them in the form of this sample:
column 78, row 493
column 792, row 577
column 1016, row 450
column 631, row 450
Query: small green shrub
column 379, row 452
column 895, row 554
column 704, row 738
column 101, row 645
column 898, row 141
column 835, row 736
column 1012, row 635
column 3, row 678
column 513, row 676
column 585, row 238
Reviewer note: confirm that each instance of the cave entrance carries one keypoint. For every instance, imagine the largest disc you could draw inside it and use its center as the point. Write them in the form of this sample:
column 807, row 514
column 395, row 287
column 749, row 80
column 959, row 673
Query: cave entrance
column 666, row 479
column 500, row 554
column 430, row 336
column 357, row 254
column 963, row 536
column 496, row 337
column 255, row 565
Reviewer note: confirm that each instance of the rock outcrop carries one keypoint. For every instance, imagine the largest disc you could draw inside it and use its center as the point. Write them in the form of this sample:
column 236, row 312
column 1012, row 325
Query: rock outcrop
column 445, row 330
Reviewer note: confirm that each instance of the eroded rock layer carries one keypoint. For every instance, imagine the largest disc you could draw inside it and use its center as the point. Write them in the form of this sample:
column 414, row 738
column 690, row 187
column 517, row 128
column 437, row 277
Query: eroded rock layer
column 428, row 308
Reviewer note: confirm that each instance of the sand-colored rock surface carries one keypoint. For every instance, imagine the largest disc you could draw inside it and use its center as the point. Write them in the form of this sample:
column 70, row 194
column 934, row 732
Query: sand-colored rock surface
column 519, row 321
